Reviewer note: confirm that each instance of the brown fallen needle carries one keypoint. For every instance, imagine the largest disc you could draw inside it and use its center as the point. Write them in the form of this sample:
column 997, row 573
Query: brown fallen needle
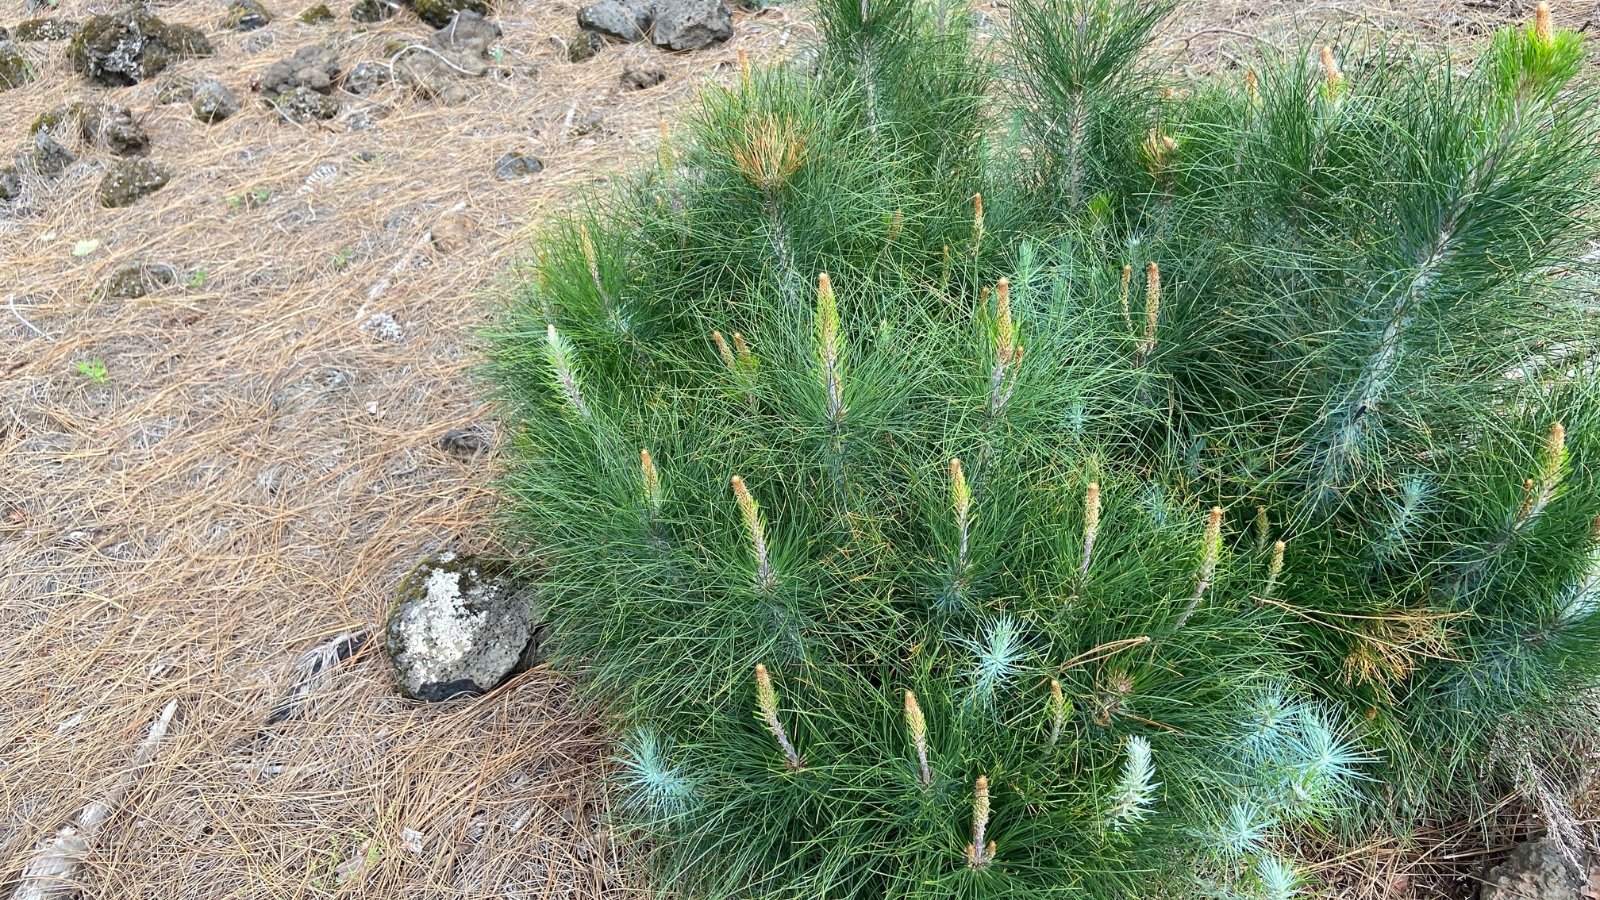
column 48, row 876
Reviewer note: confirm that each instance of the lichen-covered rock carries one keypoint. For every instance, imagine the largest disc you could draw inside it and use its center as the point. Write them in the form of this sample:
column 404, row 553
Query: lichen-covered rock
column 516, row 165
column 212, row 101
column 245, row 15
column 113, row 125
column 133, row 280
column 459, row 49
column 174, row 88
column 628, row 20
column 366, row 77
column 438, row 13
column 127, row 47
column 14, row 68
column 10, row 183
column 460, row 625
column 63, row 119
column 1538, row 870
column 48, row 157
column 585, row 46
column 317, row 15
column 128, row 180
column 310, row 67
column 692, row 24
column 371, row 10
column 305, row 105
column 45, row 30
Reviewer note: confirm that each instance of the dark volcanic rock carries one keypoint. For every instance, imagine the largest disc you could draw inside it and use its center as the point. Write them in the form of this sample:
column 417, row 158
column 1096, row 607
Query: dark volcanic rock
column 310, row 67
column 459, row 49
column 460, row 626
column 585, row 46
column 469, row 441
column 438, row 13
column 133, row 280
column 174, row 88
column 128, row 180
column 48, row 157
column 245, row 15
column 127, row 47
column 63, row 119
column 45, row 30
column 114, row 126
column 516, row 165
column 10, row 183
column 692, row 24
column 14, row 68
column 366, row 77
column 305, row 105
column 371, row 10
column 110, row 125
column 628, row 20
column 1538, row 870
column 212, row 101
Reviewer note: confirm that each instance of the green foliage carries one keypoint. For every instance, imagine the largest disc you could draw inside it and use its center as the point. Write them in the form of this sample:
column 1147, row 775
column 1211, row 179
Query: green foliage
column 94, row 370
column 1154, row 474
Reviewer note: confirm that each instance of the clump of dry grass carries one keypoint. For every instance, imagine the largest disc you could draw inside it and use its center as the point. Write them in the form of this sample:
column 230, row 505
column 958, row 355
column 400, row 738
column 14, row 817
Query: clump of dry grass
column 257, row 469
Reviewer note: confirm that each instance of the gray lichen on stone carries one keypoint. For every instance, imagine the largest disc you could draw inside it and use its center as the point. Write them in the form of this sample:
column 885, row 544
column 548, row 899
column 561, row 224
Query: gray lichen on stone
column 460, row 625
column 127, row 47
column 45, row 30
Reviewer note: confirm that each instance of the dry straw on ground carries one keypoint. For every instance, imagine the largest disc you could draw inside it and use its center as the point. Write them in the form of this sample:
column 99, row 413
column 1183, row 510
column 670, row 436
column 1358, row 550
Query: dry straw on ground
column 258, row 468
column 258, row 463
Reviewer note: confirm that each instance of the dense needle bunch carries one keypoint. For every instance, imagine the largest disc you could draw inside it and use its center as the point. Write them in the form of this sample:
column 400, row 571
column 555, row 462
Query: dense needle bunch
column 1080, row 492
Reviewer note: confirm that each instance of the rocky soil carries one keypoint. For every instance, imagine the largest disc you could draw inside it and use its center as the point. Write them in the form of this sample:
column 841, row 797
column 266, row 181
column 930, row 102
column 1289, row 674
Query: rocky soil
column 239, row 286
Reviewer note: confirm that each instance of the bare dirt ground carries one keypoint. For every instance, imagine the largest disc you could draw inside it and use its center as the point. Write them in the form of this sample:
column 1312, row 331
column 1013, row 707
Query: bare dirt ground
column 199, row 485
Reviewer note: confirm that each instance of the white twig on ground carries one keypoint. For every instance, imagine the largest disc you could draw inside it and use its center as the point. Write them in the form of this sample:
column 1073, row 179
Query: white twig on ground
column 383, row 284
column 11, row 304
column 48, row 876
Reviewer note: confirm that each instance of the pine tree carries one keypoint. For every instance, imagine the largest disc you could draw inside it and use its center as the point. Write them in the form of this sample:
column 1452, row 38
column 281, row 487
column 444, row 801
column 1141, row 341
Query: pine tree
column 1050, row 479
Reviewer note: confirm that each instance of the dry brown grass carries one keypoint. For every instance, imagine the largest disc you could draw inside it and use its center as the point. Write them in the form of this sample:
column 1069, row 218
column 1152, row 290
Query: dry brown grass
column 257, row 469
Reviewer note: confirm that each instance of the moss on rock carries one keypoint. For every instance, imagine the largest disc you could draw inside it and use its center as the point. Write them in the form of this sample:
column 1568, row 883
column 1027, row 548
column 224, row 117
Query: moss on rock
column 459, row 626
column 127, row 47
column 317, row 15
column 438, row 13
column 63, row 119
column 45, row 30
column 245, row 15
column 371, row 11
column 136, row 279
column 128, row 180
column 15, row 70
